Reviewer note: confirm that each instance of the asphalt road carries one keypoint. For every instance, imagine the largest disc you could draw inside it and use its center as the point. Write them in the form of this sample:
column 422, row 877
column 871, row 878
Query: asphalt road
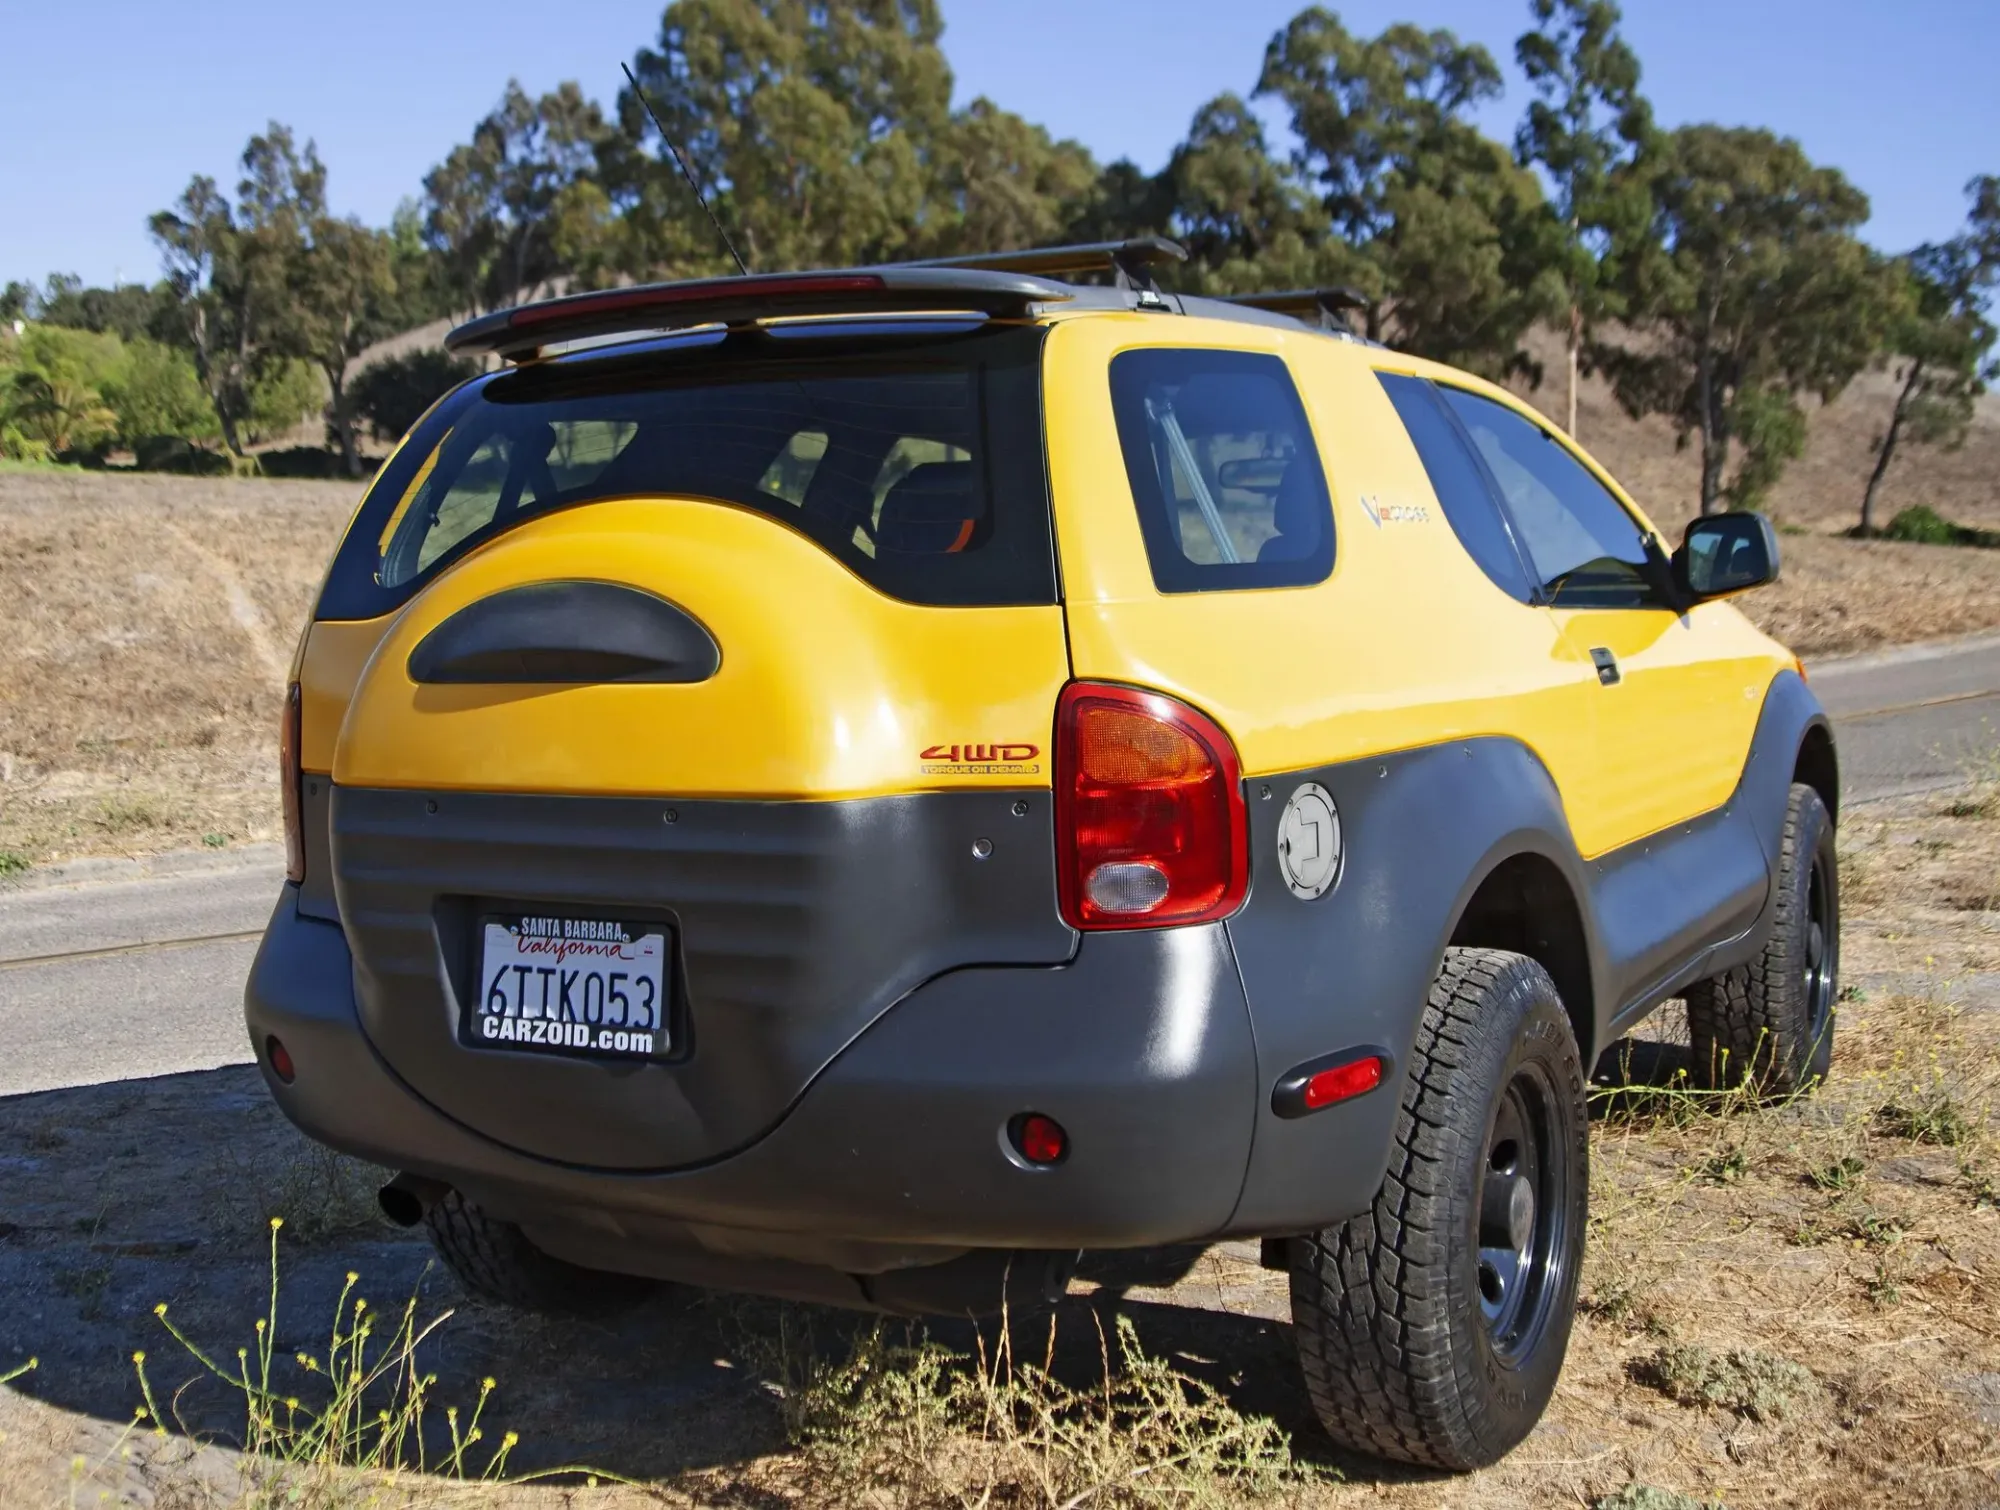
column 115, row 970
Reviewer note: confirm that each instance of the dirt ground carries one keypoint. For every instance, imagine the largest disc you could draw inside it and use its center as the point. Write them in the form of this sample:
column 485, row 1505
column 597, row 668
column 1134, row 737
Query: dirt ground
column 146, row 622
column 1841, row 1254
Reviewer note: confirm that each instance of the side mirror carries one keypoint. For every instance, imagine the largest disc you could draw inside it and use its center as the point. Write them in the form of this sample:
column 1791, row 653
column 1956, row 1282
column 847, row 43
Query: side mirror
column 1724, row 554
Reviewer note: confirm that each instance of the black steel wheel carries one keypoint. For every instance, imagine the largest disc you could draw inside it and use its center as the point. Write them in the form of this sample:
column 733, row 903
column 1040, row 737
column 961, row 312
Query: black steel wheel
column 1771, row 1019
column 1431, row 1328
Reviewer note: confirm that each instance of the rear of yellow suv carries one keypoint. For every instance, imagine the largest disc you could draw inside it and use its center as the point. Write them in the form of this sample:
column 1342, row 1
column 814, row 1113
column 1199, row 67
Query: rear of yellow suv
column 861, row 786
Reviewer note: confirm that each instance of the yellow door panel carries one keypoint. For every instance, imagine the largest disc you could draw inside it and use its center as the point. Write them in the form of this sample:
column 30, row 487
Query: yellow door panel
column 1675, row 729
column 827, row 688
column 1407, row 643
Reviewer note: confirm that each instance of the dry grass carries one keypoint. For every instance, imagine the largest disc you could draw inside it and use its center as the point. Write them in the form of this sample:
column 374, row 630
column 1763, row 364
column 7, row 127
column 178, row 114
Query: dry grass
column 147, row 624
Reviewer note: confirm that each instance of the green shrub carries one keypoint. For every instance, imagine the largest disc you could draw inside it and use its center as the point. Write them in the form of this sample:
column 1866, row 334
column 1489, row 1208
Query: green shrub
column 1922, row 525
column 393, row 393
column 156, row 392
column 172, row 453
column 282, row 397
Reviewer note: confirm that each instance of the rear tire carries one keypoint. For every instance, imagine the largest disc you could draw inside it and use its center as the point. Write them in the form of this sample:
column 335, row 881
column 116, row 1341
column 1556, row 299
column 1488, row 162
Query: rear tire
column 495, row 1260
column 1771, row 1021
column 1431, row 1327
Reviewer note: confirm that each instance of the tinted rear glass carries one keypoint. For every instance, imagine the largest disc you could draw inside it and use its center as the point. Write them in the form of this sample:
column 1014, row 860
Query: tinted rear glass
column 919, row 466
column 1223, row 468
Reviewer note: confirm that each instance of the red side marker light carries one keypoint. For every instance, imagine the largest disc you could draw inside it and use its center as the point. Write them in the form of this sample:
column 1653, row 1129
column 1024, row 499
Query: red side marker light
column 1039, row 1139
column 1329, row 1080
column 280, row 1059
column 1343, row 1081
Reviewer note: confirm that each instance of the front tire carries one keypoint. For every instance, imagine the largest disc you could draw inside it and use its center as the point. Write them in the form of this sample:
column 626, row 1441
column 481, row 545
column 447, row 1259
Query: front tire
column 496, row 1261
column 1771, row 1021
column 1431, row 1327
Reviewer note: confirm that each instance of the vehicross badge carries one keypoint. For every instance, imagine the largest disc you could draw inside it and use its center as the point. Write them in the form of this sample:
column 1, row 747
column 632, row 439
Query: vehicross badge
column 571, row 983
column 982, row 760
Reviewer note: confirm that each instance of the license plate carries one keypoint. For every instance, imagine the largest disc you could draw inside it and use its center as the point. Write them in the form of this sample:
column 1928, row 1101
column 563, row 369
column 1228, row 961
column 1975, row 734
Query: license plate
column 570, row 985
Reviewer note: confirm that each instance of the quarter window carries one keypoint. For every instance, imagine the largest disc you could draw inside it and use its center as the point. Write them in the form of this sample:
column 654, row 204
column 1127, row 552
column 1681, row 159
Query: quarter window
column 1460, row 485
column 1223, row 469
column 1585, row 549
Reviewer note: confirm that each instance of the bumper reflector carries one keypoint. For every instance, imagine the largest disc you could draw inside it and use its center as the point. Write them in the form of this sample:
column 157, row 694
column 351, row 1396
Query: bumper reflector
column 280, row 1059
column 1038, row 1139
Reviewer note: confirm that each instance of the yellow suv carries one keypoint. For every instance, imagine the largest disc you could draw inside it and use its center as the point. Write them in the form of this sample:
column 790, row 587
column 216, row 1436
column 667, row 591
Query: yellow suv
column 860, row 785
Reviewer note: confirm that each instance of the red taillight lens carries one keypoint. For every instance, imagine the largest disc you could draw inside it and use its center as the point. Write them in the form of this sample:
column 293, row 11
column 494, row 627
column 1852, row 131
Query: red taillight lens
column 288, row 784
column 1150, row 826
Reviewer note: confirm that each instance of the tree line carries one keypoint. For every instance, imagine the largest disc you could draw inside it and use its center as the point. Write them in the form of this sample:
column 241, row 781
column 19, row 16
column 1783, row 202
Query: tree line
column 1714, row 275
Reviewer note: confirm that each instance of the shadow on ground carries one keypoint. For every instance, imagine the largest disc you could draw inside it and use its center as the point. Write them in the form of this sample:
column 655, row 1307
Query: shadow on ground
column 116, row 1198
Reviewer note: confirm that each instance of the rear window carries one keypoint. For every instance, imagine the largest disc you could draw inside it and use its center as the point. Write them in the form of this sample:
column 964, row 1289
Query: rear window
column 919, row 466
column 1223, row 468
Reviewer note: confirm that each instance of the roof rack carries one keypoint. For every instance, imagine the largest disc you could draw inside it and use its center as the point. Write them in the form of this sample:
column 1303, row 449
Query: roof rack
column 1000, row 284
column 1326, row 308
column 1130, row 262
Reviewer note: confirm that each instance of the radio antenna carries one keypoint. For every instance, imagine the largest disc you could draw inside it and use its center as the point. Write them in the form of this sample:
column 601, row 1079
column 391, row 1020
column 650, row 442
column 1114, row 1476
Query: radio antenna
column 681, row 163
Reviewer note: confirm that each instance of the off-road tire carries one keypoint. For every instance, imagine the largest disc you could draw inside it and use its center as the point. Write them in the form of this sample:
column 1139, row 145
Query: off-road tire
column 495, row 1260
column 1398, row 1356
column 1771, row 1020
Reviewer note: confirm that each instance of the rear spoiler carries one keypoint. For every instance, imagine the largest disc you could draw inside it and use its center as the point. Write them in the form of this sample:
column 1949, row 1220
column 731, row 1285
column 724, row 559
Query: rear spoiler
column 520, row 332
column 991, row 283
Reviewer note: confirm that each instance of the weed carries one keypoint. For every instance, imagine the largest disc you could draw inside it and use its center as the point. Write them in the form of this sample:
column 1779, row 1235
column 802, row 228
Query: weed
column 1874, row 1230
column 1726, row 1167
column 86, row 1284
column 362, row 1403
column 1842, row 1175
column 1935, row 1118
column 1809, row 1233
column 1753, row 1383
column 215, row 841
column 12, row 863
column 1981, row 1185
column 904, row 1416
column 1985, row 805
column 1883, row 1288
column 123, row 815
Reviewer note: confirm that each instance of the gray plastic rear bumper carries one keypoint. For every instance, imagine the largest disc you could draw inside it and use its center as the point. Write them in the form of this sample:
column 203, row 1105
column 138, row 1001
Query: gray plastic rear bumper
column 896, row 1153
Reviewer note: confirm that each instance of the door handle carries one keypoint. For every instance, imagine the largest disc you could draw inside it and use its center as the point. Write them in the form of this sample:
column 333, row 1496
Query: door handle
column 1607, row 666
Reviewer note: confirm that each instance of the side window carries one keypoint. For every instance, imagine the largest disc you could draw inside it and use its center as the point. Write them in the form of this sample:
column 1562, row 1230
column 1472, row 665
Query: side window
column 1224, row 470
column 1459, row 484
column 1584, row 547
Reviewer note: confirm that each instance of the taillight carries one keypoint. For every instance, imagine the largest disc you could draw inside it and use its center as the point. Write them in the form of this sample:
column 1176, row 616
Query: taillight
column 1150, row 827
column 288, row 783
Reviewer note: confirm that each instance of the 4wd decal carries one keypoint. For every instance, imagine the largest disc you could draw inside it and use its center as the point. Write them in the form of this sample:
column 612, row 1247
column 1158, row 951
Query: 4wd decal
column 982, row 760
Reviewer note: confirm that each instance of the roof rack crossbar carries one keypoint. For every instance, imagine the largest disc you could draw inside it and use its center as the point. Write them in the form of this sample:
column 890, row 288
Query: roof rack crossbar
column 1130, row 262
column 1325, row 307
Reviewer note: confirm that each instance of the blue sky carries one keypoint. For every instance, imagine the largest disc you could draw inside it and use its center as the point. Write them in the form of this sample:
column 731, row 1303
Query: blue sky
column 108, row 106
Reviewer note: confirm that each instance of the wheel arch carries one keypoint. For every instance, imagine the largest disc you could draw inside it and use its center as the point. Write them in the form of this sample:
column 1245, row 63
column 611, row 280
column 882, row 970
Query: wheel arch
column 1527, row 904
column 1818, row 764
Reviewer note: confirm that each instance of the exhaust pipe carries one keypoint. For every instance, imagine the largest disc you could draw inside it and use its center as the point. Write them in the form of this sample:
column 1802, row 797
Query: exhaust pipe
column 405, row 1199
